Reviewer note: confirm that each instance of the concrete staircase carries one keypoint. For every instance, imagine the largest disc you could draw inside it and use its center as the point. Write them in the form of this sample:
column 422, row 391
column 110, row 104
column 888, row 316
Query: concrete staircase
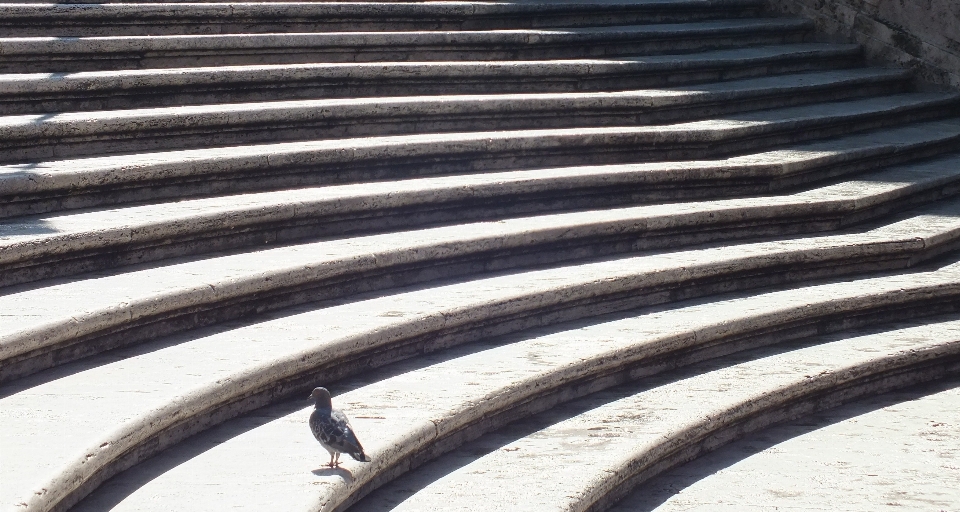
column 541, row 252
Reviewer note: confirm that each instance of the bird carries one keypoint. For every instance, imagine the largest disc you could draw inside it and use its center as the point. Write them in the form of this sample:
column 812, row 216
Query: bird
column 332, row 428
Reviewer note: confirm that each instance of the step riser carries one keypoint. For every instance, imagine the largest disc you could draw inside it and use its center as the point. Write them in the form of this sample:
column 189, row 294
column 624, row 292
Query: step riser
column 149, row 324
column 133, row 94
column 881, row 380
column 314, row 18
column 44, row 60
column 638, row 190
column 189, row 240
column 171, row 133
column 897, row 378
column 135, row 330
column 596, row 379
column 483, row 155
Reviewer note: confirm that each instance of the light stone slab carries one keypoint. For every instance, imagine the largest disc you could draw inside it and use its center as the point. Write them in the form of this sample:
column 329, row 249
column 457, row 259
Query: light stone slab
column 365, row 9
column 191, row 119
column 421, row 401
column 27, row 19
column 895, row 451
column 198, row 163
column 129, row 81
column 193, row 375
column 409, row 40
column 24, row 240
column 615, row 435
column 35, row 318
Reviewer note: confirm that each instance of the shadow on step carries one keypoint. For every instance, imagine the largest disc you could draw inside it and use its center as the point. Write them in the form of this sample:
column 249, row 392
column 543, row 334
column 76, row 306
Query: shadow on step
column 392, row 494
column 658, row 491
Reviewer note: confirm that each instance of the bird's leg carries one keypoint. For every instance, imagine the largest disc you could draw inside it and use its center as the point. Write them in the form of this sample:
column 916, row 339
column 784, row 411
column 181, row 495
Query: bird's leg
column 330, row 464
column 337, row 460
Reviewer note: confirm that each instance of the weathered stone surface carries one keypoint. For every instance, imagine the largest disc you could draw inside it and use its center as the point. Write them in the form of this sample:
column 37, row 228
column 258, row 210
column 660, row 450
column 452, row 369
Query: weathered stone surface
column 393, row 156
column 65, row 244
column 887, row 452
column 592, row 446
column 923, row 35
column 100, row 310
column 104, row 19
column 243, row 362
column 506, row 189
column 98, row 90
column 401, row 416
column 121, row 131
column 53, row 54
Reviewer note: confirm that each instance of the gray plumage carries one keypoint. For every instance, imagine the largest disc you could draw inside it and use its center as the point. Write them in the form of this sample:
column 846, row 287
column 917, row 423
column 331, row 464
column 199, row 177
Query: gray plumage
column 332, row 428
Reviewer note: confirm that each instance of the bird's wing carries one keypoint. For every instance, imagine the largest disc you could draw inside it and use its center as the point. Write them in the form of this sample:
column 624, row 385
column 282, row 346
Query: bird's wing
column 344, row 440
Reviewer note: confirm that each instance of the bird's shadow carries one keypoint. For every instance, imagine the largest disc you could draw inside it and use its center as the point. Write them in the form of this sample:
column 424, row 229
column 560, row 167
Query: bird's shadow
column 343, row 473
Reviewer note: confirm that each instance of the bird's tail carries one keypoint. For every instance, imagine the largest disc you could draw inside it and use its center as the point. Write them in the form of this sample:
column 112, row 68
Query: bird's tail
column 360, row 456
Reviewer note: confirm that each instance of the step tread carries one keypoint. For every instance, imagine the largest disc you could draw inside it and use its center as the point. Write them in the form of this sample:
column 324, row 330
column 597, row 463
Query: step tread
column 457, row 8
column 102, row 44
column 842, row 455
column 247, row 357
column 47, row 315
column 593, row 451
column 140, row 167
column 27, row 239
column 431, row 398
column 138, row 79
column 192, row 329
column 65, row 125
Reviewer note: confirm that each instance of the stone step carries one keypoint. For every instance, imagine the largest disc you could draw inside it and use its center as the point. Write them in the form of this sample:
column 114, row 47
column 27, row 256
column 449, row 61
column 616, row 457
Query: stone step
column 599, row 447
column 41, row 247
column 523, row 191
column 413, row 411
column 104, row 19
column 147, row 176
column 477, row 211
column 842, row 455
column 53, row 54
column 104, row 90
column 51, row 323
column 71, row 134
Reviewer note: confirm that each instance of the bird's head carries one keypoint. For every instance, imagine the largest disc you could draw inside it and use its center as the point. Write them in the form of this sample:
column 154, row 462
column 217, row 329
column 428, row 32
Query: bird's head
column 322, row 398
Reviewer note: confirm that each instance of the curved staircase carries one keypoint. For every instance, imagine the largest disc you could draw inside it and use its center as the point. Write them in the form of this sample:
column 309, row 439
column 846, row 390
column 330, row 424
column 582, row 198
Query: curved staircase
column 544, row 253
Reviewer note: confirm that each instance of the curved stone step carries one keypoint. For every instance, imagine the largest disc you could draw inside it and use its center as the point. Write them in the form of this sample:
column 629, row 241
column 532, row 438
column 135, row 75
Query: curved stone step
column 202, row 340
column 43, row 247
column 141, row 177
column 891, row 450
column 581, row 187
column 416, row 410
column 254, row 364
column 126, row 131
column 102, row 90
column 104, row 19
column 59, row 322
column 617, row 438
column 53, row 54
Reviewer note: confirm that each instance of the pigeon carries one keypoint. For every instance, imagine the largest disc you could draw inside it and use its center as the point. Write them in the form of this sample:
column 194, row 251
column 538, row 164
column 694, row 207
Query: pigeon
column 332, row 428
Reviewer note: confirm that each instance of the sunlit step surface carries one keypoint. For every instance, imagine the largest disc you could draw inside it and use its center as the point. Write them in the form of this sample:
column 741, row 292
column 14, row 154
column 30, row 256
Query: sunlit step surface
column 52, row 54
column 205, row 379
column 596, row 448
column 22, row 93
column 892, row 451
